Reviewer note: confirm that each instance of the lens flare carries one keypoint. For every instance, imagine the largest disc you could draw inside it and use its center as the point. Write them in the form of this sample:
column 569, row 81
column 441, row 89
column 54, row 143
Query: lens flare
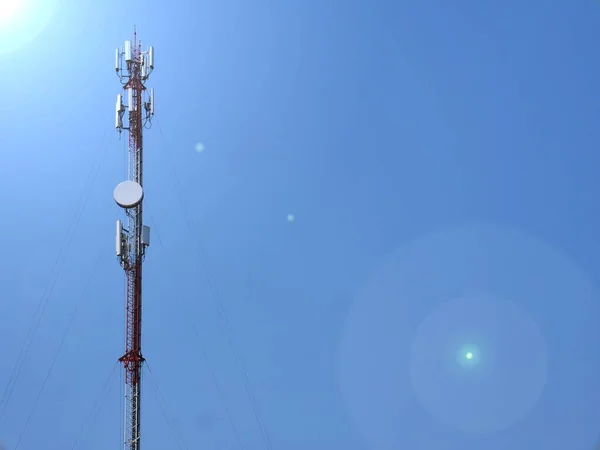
column 10, row 11
column 21, row 21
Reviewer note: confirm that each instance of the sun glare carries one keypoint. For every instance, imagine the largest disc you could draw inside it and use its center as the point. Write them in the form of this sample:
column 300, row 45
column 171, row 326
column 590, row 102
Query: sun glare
column 10, row 10
column 21, row 21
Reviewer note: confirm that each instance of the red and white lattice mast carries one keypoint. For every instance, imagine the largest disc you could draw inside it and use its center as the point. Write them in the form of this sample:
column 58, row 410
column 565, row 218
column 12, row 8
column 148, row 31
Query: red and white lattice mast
column 133, row 236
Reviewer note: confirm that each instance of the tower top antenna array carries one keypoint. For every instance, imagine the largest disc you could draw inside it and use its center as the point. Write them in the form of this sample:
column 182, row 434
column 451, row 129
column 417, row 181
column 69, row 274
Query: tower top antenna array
column 133, row 67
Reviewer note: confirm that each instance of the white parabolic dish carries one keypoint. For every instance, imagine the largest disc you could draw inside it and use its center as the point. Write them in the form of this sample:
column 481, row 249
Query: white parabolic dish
column 128, row 194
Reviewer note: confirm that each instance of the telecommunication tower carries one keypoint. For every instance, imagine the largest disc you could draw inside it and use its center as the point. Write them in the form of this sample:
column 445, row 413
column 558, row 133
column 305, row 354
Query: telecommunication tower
column 134, row 237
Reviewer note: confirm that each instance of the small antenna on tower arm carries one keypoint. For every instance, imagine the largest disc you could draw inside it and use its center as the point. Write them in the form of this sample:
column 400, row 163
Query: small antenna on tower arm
column 133, row 237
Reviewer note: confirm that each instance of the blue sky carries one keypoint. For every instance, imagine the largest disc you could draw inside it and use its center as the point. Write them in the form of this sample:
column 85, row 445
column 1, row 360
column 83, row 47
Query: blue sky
column 440, row 161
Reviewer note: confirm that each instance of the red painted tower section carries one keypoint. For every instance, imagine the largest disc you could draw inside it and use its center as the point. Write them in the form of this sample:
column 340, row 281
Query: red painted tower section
column 133, row 238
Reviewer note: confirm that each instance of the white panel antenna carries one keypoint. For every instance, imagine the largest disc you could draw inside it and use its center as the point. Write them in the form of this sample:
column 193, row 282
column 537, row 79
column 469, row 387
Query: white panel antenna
column 117, row 60
column 119, row 108
column 128, row 51
column 151, row 101
column 119, row 239
column 151, row 57
column 146, row 235
column 130, row 104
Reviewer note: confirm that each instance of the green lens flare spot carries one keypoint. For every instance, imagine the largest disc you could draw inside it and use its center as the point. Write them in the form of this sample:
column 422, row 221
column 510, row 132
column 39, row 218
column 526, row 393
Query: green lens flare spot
column 468, row 355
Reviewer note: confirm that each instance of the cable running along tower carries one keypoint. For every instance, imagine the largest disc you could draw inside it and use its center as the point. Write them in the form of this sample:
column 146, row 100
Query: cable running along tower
column 133, row 237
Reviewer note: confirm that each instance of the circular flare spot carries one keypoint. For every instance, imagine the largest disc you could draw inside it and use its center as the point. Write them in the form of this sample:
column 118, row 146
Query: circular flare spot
column 488, row 393
column 489, row 291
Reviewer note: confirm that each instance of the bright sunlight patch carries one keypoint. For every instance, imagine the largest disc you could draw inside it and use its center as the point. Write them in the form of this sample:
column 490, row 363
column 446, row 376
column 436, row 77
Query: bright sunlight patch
column 21, row 21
